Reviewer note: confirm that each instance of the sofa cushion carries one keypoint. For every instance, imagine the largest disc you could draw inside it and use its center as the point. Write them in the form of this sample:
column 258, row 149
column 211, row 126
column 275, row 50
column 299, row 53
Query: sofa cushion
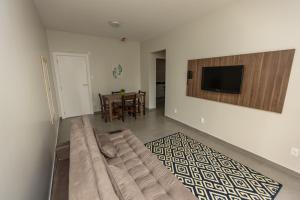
column 82, row 181
column 76, row 123
column 89, row 179
column 133, row 174
column 154, row 180
column 86, row 122
column 125, row 186
column 106, row 146
column 116, row 161
column 105, row 187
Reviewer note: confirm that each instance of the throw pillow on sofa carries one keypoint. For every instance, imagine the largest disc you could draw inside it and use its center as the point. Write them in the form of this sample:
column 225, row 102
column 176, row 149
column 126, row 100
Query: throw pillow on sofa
column 106, row 146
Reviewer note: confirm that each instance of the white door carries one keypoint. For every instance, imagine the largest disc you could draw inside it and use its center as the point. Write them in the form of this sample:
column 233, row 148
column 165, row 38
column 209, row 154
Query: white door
column 73, row 85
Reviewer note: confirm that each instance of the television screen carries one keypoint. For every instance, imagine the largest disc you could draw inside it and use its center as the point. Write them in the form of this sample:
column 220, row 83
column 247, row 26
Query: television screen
column 227, row 79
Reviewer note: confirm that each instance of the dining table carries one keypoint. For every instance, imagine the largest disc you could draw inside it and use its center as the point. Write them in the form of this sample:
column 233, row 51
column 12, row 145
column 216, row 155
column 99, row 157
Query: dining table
column 115, row 98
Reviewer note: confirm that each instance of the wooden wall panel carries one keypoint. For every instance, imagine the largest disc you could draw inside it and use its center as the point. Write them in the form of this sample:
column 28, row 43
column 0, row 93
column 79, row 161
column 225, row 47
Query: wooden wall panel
column 265, row 80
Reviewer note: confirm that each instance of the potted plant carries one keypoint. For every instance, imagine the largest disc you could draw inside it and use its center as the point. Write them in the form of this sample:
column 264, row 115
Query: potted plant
column 122, row 91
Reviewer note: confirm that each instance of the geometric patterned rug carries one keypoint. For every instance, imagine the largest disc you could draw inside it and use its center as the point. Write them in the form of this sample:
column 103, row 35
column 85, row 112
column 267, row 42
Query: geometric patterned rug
column 209, row 174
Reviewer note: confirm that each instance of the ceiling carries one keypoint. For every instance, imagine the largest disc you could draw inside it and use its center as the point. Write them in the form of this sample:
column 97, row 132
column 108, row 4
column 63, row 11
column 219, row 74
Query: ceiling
column 140, row 19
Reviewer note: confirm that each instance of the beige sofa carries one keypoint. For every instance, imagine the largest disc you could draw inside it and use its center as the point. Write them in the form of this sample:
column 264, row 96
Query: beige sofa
column 133, row 173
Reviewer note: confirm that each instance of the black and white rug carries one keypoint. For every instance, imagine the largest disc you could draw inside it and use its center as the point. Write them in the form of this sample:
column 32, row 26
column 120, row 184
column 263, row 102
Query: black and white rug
column 210, row 174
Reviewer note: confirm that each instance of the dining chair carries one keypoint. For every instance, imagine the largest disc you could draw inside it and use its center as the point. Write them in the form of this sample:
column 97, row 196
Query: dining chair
column 116, row 108
column 117, row 105
column 104, row 109
column 142, row 102
column 129, row 104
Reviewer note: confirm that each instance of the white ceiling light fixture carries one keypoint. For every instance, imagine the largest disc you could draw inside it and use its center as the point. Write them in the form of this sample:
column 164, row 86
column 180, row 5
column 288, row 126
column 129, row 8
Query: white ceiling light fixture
column 114, row 23
column 123, row 39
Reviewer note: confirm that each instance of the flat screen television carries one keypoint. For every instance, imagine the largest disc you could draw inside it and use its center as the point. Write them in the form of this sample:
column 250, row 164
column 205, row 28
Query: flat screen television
column 227, row 79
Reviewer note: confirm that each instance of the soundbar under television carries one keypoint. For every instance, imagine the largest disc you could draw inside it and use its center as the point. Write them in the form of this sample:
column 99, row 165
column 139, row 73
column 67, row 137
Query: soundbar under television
column 225, row 79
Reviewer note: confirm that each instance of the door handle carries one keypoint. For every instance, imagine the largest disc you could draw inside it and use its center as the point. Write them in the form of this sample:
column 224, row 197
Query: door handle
column 85, row 84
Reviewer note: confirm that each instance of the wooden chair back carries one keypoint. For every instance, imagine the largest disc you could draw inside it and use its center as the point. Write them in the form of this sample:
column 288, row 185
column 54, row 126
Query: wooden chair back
column 143, row 96
column 103, row 106
column 129, row 104
column 129, row 99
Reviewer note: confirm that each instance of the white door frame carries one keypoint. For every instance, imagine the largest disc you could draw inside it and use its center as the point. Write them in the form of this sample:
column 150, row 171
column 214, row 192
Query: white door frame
column 58, row 82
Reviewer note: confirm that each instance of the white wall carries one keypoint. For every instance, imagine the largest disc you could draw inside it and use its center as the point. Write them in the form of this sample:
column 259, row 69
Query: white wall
column 27, row 139
column 244, row 27
column 104, row 54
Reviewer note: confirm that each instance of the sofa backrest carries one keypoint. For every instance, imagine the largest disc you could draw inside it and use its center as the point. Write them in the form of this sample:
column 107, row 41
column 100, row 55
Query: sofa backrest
column 88, row 177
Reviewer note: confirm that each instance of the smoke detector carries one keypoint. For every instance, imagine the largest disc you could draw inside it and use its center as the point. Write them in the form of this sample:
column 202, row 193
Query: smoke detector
column 114, row 23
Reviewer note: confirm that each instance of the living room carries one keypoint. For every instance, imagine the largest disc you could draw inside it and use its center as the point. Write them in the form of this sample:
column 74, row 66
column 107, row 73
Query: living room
column 118, row 43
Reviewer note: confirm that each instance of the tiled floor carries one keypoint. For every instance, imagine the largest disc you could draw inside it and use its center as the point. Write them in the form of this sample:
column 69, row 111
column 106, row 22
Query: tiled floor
column 154, row 125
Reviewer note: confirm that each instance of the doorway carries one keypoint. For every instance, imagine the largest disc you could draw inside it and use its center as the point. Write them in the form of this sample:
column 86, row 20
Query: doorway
column 157, row 76
column 73, row 84
column 160, row 83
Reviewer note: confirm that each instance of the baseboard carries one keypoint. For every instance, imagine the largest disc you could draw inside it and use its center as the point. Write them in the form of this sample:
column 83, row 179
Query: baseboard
column 54, row 159
column 253, row 155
